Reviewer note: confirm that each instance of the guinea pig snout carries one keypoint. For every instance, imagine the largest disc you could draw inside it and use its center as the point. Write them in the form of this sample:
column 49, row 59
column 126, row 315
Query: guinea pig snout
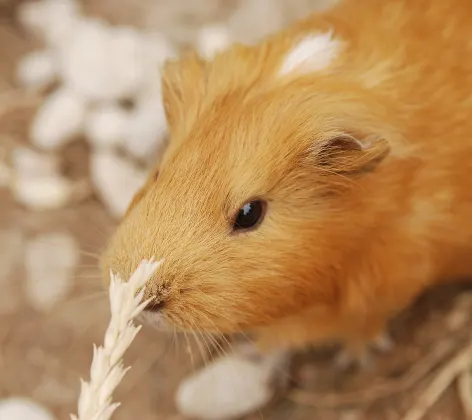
column 154, row 312
column 158, row 295
column 154, row 306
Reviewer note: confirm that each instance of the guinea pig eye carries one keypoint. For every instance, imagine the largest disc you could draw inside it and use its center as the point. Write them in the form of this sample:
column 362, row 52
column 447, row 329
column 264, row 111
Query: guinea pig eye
column 250, row 215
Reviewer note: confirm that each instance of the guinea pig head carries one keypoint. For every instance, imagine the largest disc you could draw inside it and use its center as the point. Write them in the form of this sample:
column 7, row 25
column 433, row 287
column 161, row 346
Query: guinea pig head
column 250, row 206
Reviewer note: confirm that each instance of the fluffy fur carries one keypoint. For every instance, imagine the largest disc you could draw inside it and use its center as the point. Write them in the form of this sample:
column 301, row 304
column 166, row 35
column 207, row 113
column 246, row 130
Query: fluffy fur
column 365, row 163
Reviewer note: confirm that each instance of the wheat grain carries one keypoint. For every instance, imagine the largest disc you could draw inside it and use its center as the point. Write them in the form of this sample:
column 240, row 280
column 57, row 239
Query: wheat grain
column 107, row 370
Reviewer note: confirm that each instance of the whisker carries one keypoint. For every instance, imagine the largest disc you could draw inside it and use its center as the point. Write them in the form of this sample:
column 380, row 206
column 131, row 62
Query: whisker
column 189, row 351
column 220, row 334
column 94, row 255
column 100, row 232
column 175, row 341
column 209, row 354
column 200, row 348
column 218, row 347
column 166, row 348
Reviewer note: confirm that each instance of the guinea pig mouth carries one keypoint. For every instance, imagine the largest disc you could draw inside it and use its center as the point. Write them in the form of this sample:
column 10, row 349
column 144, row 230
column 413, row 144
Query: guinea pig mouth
column 156, row 320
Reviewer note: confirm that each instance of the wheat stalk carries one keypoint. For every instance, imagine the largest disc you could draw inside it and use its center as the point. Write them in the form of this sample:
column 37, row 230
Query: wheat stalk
column 107, row 371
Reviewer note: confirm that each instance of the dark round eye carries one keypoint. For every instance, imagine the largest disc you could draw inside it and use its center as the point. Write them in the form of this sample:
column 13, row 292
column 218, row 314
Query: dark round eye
column 250, row 215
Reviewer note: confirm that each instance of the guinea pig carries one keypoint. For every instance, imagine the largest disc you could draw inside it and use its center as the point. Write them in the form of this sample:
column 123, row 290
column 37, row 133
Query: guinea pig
column 315, row 183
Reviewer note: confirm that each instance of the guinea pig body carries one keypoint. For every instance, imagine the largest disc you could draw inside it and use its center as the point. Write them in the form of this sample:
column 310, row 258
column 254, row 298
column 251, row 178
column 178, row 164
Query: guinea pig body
column 314, row 184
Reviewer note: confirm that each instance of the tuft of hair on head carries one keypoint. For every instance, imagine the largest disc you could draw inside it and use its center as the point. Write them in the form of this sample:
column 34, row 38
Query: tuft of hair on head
column 313, row 52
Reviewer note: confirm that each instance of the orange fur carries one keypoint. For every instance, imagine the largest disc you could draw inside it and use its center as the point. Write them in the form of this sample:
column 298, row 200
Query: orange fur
column 351, row 236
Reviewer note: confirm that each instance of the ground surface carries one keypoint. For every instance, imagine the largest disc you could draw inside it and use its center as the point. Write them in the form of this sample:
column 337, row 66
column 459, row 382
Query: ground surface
column 43, row 355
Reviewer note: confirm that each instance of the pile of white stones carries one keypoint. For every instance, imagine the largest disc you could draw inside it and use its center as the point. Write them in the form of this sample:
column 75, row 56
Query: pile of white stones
column 89, row 73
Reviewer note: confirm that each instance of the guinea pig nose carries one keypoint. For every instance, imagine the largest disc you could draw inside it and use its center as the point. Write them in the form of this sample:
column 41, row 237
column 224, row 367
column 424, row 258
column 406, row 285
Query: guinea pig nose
column 154, row 306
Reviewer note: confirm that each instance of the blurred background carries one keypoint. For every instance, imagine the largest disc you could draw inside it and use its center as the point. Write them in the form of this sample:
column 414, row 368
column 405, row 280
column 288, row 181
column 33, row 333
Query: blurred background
column 81, row 124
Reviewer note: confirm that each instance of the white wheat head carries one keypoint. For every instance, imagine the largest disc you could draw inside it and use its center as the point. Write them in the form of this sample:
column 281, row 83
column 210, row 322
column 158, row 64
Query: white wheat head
column 107, row 370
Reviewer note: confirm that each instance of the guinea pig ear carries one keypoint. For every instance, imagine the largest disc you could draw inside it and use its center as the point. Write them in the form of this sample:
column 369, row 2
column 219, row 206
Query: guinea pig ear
column 183, row 86
column 351, row 153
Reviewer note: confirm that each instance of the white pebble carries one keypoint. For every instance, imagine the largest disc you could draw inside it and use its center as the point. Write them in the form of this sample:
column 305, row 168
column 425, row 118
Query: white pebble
column 146, row 130
column 246, row 25
column 116, row 181
column 16, row 408
column 60, row 119
column 105, row 126
column 228, row 388
column 50, row 261
column 213, row 39
column 104, row 63
column 29, row 163
column 37, row 70
column 53, row 20
column 42, row 193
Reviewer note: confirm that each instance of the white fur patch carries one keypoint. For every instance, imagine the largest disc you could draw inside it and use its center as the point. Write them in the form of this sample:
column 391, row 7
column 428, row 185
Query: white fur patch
column 313, row 53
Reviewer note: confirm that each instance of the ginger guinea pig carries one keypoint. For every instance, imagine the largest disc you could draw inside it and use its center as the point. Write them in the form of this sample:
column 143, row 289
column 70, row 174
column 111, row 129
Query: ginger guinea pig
column 315, row 183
